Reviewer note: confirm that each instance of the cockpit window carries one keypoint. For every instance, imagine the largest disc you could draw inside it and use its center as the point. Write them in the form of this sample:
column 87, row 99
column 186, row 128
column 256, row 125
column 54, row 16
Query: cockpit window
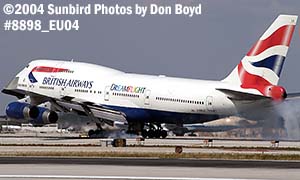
column 27, row 66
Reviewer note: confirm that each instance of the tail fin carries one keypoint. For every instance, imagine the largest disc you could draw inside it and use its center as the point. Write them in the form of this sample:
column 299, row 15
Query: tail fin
column 262, row 65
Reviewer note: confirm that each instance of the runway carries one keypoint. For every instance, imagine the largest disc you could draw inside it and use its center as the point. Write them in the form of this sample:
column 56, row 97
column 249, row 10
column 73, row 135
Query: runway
column 74, row 146
column 152, row 162
column 96, row 166
column 128, row 168
column 71, row 139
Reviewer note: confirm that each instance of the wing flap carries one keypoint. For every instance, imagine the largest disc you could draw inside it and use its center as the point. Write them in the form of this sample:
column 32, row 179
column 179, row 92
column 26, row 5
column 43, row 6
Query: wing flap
column 98, row 111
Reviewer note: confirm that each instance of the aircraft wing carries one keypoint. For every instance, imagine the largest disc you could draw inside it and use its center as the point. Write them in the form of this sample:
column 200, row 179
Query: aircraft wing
column 293, row 96
column 90, row 109
column 97, row 112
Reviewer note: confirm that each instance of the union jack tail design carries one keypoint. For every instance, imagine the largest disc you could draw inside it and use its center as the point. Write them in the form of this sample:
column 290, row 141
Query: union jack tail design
column 261, row 67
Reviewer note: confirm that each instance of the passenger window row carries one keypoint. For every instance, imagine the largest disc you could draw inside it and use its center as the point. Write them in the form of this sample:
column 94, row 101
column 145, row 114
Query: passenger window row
column 46, row 87
column 86, row 91
column 179, row 100
column 22, row 85
column 81, row 90
column 126, row 95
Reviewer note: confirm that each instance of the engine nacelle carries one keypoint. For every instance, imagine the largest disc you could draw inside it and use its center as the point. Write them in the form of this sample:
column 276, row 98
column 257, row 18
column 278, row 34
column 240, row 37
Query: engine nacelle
column 276, row 92
column 20, row 110
column 45, row 116
column 38, row 115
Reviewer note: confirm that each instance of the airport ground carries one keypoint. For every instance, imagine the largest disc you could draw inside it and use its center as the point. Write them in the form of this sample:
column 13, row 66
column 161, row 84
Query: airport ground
column 124, row 168
column 66, row 156
column 30, row 144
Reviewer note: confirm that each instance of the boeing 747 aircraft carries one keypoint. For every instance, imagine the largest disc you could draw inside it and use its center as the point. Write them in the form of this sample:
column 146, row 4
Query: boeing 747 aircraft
column 47, row 88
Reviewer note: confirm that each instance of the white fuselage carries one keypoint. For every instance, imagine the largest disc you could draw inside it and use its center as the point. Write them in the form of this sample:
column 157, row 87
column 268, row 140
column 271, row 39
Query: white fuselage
column 123, row 91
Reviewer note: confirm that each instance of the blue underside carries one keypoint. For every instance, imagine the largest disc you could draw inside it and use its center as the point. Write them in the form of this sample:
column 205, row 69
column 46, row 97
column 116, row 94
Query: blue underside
column 149, row 115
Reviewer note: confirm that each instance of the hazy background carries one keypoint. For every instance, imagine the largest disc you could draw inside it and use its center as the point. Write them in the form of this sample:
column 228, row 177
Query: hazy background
column 206, row 46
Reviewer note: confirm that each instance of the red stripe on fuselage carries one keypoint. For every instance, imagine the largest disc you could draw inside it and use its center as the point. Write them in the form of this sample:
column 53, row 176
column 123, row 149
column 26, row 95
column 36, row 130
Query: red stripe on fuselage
column 281, row 36
column 48, row 69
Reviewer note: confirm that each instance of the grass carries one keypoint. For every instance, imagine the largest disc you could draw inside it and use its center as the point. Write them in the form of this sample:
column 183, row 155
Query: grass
column 258, row 148
column 256, row 153
column 236, row 156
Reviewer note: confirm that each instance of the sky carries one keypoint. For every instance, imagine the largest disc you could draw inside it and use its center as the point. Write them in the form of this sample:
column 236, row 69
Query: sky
column 206, row 46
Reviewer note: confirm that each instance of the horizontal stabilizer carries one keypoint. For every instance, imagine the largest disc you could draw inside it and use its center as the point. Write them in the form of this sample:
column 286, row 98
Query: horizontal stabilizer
column 293, row 95
column 239, row 96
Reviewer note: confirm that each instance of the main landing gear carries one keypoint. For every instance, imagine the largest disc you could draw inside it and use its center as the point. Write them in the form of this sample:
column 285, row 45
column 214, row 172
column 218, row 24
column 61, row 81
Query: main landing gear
column 96, row 133
column 151, row 131
column 154, row 131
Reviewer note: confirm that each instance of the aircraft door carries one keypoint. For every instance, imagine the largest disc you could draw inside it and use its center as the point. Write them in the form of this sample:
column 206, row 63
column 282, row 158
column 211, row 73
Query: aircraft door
column 209, row 103
column 147, row 97
column 63, row 91
column 106, row 93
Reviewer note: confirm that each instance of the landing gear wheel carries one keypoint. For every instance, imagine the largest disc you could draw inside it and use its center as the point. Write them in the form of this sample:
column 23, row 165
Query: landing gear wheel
column 145, row 133
column 135, row 128
column 151, row 134
column 91, row 133
column 164, row 134
column 98, row 131
column 157, row 134
column 154, row 132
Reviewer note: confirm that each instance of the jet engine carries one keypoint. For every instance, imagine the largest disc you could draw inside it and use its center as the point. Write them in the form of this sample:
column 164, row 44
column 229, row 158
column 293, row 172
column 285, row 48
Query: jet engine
column 20, row 110
column 45, row 116
column 38, row 115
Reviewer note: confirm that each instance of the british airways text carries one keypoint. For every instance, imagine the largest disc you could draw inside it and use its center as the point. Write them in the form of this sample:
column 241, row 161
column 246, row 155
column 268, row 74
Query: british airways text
column 50, row 81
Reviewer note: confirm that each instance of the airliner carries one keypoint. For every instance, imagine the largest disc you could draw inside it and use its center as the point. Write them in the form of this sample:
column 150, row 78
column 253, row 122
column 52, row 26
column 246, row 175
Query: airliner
column 47, row 88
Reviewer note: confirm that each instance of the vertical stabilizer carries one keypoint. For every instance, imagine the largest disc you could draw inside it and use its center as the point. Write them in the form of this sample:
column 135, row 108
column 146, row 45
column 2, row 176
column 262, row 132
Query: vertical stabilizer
column 262, row 65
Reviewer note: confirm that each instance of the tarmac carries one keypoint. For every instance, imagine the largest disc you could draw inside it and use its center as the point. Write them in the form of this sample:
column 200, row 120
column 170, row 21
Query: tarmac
column 33, row 167
column 74, row 139
column 15, row 144
column 144, row 169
